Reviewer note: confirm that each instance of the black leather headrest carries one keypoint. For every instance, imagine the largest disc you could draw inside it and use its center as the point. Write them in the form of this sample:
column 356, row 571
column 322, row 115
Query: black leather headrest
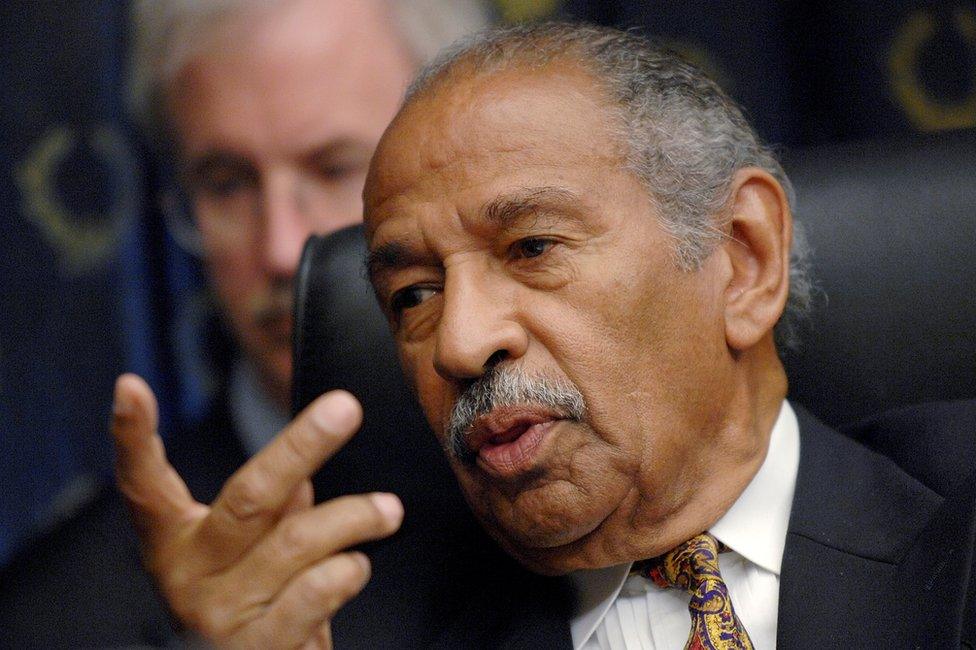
column 893, row 231
column 341, row 340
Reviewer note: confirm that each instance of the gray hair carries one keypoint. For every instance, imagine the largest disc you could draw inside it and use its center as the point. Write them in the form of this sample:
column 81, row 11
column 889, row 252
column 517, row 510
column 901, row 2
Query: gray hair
column 167, row 31
column 684, row 137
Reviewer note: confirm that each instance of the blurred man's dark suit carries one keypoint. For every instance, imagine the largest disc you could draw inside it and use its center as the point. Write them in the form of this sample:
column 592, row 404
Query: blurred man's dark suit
column 81, row 585
column 879, row 552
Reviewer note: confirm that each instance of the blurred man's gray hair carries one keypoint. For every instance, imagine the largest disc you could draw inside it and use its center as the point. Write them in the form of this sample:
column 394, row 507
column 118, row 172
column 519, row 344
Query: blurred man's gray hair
column 167, row 31
column 684, row 137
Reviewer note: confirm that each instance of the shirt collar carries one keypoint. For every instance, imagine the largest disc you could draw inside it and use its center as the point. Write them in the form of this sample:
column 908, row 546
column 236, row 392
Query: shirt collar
column 755, row 527
column 256, row 417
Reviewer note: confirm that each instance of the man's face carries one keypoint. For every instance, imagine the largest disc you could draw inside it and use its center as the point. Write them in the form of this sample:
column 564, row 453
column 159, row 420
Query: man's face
column 505, row 234
column 278, row 112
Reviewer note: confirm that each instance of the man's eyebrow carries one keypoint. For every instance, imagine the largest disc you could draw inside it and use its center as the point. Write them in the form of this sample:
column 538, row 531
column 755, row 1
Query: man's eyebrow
column 390, row 256
column 211, row 161
column 503, row 210
column 337, row 148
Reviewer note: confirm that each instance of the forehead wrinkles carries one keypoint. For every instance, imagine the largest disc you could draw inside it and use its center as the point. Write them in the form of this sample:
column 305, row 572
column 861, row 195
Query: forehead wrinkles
column 555, row 114
column 463, row 186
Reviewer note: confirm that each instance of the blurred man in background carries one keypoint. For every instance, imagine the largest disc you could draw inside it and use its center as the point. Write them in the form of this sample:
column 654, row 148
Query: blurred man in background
column 271, row 110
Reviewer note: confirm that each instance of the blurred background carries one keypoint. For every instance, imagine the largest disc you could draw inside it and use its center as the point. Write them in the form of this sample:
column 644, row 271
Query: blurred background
column 94, row 284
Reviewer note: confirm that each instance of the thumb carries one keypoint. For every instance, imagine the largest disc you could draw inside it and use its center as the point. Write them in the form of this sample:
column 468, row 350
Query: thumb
column 156, row 494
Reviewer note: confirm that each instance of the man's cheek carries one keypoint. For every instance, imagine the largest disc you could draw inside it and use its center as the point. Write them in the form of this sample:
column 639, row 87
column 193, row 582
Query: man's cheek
column 432, row 397
column 234, row 292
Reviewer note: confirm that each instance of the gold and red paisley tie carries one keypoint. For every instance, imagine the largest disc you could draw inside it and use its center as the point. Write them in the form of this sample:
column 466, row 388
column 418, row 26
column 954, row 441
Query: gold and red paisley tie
column 693, row 567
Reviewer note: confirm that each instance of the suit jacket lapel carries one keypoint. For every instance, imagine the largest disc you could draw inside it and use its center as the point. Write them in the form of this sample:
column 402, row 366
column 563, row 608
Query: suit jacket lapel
column 855, row 518
column 938, row 574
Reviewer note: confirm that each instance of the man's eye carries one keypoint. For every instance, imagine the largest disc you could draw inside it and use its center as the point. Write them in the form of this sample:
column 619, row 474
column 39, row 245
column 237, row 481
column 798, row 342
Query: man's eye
column 533, row 247
column 341, row 170
column 410, row 297
column 222, row 185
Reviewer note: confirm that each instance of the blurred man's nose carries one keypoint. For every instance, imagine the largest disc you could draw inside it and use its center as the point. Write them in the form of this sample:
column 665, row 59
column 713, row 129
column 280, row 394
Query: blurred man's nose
column 287, row 221
column 283, row 238
column 478, row 326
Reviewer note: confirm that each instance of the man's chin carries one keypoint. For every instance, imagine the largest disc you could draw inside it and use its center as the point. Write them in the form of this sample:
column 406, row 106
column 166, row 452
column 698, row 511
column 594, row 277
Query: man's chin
column 552, row 561
column 274, row 365
column 551, row 549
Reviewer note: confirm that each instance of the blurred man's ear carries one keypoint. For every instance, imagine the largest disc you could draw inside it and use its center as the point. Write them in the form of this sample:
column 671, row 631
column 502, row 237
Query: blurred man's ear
column 759, row 253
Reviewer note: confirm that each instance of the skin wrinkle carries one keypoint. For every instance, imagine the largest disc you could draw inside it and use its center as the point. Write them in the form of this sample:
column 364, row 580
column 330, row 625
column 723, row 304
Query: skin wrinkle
column 506, row 210
column 462, row 103
column 390, row 255
column 608, row 545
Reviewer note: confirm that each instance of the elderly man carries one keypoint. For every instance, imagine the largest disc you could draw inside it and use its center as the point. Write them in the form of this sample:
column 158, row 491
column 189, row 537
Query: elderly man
column 583, row 252
column 272, row 109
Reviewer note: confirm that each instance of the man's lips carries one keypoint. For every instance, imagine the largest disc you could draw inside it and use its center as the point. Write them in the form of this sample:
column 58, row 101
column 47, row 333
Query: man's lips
column 505, row 424
column 505, row 439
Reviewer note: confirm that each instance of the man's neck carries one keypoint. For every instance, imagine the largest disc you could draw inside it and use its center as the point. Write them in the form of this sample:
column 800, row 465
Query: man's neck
column 256, row 415
column 738, row 450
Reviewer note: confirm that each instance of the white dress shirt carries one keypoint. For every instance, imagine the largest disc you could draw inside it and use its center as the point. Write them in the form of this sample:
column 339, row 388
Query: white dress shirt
column 617, row 611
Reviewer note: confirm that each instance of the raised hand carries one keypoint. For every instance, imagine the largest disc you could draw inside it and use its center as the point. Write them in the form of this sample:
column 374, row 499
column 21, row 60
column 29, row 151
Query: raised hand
column 262, row 566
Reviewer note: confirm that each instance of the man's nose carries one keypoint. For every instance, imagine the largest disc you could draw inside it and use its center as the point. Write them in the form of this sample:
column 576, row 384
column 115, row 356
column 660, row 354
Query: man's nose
column 284, row 228
column 478, row 326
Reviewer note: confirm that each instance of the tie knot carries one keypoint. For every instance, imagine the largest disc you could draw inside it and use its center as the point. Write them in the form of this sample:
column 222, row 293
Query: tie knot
column 687, row 566
column 693, row 567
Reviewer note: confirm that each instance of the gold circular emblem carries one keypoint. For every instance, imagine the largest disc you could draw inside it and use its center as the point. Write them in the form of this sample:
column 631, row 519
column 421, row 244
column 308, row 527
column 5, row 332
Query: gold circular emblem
column 517, row 11
column 83, row 241
column 926, row 112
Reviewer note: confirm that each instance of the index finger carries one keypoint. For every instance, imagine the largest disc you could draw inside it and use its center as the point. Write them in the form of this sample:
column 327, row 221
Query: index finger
column 252, row 500
column 154, row 491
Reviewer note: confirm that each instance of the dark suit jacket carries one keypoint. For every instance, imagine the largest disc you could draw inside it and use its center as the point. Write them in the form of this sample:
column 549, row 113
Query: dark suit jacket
column 882, row 534
column 879, row 553
column 82, row 585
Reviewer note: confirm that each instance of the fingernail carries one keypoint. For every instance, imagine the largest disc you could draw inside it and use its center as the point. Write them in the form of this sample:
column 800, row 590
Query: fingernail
column 338, row 411
column 362, row 560
column 121, row 403
column 389, row 505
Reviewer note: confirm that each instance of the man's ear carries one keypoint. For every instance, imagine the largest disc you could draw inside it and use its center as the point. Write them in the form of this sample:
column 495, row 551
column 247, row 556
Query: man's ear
column 759, row 253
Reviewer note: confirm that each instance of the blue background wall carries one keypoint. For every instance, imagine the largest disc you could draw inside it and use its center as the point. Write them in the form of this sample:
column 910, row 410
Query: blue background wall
column 74, row 305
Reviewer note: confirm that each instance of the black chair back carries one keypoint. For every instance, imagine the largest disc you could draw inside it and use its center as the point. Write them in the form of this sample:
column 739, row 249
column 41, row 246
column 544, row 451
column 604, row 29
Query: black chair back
column 893, row 231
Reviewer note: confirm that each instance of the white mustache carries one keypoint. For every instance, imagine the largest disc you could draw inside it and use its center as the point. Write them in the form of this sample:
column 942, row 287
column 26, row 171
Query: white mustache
column 508, row 386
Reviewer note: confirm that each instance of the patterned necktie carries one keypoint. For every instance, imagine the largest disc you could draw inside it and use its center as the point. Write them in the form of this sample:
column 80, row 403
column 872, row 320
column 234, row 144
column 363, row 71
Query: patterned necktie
column 693, row 567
